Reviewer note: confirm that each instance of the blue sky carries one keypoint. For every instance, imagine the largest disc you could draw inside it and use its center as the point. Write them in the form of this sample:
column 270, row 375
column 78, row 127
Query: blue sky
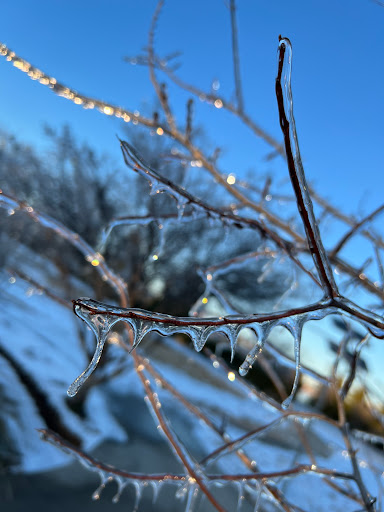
column 337, row 80
column 338, row 77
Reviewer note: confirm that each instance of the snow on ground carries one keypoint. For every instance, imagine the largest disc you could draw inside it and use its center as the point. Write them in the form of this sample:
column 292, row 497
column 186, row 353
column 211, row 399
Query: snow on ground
column 42, row 336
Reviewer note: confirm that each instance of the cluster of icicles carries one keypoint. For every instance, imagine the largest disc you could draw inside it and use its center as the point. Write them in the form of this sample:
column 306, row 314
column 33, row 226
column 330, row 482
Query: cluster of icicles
column 101, row 318
column 186, row 487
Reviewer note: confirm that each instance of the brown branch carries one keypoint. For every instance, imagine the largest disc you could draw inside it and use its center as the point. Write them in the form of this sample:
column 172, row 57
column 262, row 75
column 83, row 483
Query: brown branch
column 94, row 258
column 55, row 439
column 197, row 154
column 379, row 265
column 353, row 367
column 188, row 124
column 179, row 450
column 297, row 175
column 354, row 230
column 133, row 160
column 48, row 435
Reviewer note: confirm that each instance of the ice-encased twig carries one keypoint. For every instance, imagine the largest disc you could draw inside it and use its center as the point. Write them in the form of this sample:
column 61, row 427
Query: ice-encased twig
column 12, row 204
column 296, row 171
column 101, row 317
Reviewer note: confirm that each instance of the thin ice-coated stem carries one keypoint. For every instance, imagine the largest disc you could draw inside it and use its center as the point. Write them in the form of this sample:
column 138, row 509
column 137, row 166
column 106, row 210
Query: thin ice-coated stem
column 327, row 306
column 52, row 437
column 107, row 275
column 235, row 57
column 296, row 171
column 133, row 160
column 353, row 367
column 40, row 287
column 369, row 502
column 176, row 445
column 379, row 265
column 355, row 229
column 151, row 64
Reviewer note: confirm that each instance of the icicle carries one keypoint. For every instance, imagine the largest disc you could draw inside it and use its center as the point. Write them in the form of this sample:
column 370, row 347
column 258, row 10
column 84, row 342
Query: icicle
column 104, row 235
column 161, row 242
column 232, row 332
column 120, row 488
column 181, row 492
column 140, row 329
column 181, row 204
column 295, row 326
column 240, row 486
column 199, row 336
column 258, row 490
column 100, row 325
column 261, row 331
column 156, row 487
column 104, row 480
column 189, row 490
column 265, row 271
column 193, row 493
column 138, row 493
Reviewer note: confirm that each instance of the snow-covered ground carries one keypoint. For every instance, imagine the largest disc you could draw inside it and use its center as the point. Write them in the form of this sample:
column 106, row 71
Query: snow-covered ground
column 41, row 337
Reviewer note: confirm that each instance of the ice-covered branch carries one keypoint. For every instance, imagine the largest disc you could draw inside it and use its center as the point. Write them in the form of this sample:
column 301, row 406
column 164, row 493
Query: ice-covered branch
column 12, row 205
column 296, row 171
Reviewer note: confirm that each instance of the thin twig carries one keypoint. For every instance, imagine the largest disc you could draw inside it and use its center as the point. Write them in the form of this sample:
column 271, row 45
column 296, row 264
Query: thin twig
column 160, row 91
column 235, row 57
column 296, row 172
column 355, row 229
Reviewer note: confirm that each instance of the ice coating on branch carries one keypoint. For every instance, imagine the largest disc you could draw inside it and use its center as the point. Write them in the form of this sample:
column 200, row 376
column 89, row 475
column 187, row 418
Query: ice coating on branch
column 108, row 474
column 101, row 317
column 296, row 170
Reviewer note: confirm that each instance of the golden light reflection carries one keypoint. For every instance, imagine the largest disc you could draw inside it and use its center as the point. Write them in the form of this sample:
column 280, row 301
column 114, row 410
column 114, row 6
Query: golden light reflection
column 108, row 111
column 231, row 179
column 209, row 277
column 159, row 131
column 95, row 262
column 231, row 376
column 204, row 300
column 218, row 103
column 155, row 257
